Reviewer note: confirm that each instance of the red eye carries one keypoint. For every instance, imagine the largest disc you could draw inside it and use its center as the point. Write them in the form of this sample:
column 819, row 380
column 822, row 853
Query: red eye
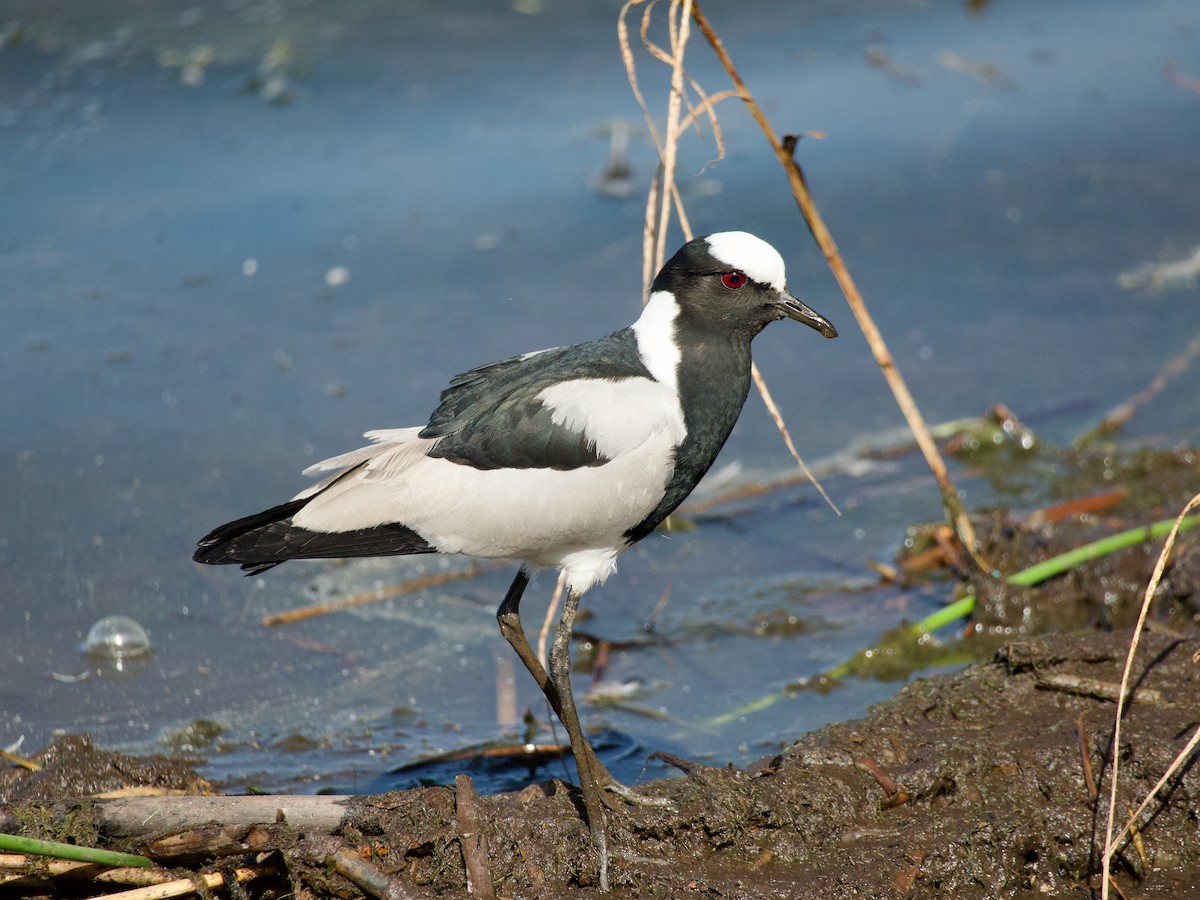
column 733, row 280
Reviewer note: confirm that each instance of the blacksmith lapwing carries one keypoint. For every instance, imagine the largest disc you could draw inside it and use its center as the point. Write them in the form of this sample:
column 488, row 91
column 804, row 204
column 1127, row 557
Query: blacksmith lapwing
column 559, row 458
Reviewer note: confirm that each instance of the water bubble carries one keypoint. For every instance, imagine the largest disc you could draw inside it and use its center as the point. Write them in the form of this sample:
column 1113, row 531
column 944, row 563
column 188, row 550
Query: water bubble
column 117, row 637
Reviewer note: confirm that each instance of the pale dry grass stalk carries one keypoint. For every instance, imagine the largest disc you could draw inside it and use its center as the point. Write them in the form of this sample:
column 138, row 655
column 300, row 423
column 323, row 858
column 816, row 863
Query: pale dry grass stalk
column 1111, row 843
column 664, row 195
column 777, row 418
column 551, row 615
column 197, row 884
column 679, row 37
column 420, row 583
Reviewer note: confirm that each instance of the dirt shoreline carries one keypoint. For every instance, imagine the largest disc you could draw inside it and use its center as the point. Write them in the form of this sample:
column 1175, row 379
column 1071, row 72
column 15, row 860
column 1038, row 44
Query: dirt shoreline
column 971, row 785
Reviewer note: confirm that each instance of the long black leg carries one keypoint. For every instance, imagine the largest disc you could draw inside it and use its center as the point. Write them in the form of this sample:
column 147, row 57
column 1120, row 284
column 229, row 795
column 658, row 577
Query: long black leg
column 509, row 618
column 591, row 770
column 591, row 781
column 592, row 773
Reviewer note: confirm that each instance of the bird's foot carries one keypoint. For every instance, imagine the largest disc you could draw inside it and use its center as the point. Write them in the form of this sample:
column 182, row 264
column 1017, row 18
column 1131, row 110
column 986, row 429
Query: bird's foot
column 612, row 788
column 630, row 796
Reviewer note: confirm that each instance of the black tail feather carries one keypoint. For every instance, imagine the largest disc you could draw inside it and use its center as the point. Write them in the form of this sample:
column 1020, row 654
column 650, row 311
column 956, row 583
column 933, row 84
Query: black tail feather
column 210, row 546
column 266, row 539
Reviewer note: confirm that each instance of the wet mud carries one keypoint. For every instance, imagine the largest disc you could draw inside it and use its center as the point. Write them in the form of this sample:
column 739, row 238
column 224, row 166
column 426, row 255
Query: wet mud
column 988, row 783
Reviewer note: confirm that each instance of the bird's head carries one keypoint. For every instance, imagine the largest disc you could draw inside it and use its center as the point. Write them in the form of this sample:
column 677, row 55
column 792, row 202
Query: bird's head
column 735, row 277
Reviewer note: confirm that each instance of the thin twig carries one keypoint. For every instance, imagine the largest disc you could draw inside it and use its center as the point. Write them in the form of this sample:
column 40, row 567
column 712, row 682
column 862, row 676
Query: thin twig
column 1094, row 687
column 648, row 625
column 777, row 418
column 1174, row 367
column 1085, row 756
column 391, row 590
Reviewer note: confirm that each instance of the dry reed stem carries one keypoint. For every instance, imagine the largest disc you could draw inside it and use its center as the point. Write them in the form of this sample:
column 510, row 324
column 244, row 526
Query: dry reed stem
column 1174, row 367
column 824, row 239
column 777, row 418
column 382, row 593
column 184, row 886
column 19, row 866
column 664, row 192
column 20, row 761
column 674, row 28
column 679, row 37
column 653, row 246
column 544, row 634
column 1111, row 843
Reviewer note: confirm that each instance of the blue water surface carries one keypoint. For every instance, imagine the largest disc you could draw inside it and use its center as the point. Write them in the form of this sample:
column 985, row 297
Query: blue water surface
column 236, row 235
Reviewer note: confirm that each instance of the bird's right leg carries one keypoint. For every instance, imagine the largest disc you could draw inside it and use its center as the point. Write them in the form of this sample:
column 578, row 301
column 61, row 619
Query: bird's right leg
column 591, row 772
column 509, row 618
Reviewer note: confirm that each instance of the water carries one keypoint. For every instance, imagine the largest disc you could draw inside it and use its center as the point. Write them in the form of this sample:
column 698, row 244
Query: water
column 176, row 348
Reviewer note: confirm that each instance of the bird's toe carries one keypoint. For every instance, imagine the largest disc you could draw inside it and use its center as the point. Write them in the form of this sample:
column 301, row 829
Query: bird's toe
column 632, row 797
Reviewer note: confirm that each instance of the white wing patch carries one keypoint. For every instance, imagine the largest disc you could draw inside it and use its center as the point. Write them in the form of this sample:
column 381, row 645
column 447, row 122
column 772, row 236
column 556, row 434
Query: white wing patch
column 616, row 416
column 750, row 254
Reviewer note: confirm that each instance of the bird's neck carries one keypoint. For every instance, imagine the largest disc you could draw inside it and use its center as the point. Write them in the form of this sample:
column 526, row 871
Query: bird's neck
column 712, row 379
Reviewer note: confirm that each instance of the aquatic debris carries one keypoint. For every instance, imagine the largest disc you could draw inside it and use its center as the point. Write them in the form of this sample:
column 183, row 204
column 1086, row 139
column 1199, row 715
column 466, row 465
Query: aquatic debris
column 985, row 72
column 997, row 429
column 877, row 57
column 191, row 64
column 271, row 80
column 617, row 178
column 1179, row 79
column 1163, row 276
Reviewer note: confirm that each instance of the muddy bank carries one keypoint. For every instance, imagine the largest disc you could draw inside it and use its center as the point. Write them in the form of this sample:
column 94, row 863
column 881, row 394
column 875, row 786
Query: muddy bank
column 977, row 785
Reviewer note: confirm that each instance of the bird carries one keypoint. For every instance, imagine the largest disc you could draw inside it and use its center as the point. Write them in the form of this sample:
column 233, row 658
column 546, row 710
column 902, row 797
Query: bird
column 560, row 458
